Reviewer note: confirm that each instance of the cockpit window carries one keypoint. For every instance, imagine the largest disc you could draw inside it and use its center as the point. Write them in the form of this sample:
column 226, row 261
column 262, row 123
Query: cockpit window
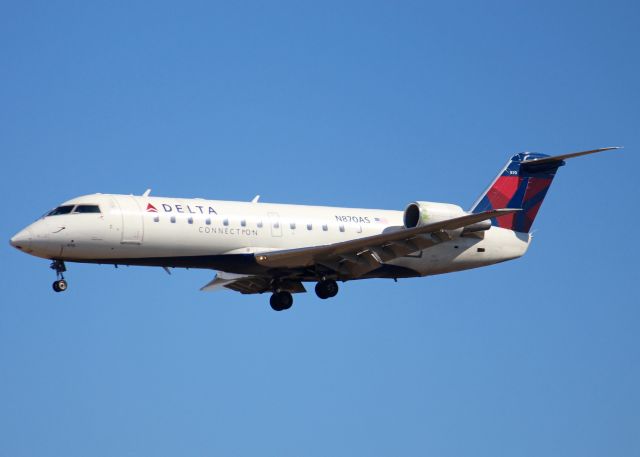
column 64, row 209
column 87, row 209
column 75, row 209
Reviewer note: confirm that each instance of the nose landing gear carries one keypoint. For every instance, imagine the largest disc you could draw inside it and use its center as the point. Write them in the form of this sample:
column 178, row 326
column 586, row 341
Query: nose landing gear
column 60, row 284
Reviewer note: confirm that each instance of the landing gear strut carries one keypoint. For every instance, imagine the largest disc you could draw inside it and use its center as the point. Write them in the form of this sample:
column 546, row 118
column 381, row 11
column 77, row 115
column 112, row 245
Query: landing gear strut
column 60, row 284
column 326, row 288
column 281, row 300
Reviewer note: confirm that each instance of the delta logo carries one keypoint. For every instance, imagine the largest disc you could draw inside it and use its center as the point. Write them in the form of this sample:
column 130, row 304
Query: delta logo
column 184, row 209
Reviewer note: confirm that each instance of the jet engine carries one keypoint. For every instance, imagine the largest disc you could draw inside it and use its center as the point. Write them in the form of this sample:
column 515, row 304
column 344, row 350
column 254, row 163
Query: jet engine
column 418, row 214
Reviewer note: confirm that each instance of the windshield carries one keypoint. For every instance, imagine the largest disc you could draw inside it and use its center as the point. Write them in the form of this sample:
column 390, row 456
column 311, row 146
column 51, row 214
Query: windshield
column 64, row 209
column 87, row 209
column 74, row 209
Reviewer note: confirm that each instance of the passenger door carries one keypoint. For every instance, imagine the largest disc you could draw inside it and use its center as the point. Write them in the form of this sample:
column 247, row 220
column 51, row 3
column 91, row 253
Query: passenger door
column 132, row 221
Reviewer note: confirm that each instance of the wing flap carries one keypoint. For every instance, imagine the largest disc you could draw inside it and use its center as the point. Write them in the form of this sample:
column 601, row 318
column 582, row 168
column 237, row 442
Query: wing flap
column 250, row 284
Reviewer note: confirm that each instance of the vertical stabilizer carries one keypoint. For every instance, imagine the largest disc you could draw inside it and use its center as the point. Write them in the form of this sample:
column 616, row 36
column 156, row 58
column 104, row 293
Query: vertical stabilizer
column 521, row 184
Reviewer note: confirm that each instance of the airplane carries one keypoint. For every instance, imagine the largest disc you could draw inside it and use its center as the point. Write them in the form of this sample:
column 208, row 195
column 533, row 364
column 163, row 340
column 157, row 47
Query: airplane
column 274, row 248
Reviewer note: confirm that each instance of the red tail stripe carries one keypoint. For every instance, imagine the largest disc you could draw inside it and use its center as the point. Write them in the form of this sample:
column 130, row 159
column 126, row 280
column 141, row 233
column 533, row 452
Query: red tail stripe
column 502, row 191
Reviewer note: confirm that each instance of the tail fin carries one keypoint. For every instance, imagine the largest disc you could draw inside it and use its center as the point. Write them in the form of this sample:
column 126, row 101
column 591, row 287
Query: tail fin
column 523, row 183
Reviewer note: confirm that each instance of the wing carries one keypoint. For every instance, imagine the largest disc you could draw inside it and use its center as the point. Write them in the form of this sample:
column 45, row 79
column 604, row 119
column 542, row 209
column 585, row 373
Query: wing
column 359, row 256
column 250, row 284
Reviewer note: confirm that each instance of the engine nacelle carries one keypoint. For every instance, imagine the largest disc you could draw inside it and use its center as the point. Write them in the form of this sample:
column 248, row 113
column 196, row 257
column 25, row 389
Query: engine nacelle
column 418, row 214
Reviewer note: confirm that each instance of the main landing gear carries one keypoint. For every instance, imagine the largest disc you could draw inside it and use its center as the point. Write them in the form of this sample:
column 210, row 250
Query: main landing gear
column 281, row 300
column 326, row 288
column 60, row 284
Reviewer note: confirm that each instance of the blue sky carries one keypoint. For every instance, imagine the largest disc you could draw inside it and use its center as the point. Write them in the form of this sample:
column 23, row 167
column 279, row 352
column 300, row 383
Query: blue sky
column 366, row 104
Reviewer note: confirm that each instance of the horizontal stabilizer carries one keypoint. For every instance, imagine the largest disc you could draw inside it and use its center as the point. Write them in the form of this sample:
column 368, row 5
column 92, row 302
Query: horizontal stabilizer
column 562, row 157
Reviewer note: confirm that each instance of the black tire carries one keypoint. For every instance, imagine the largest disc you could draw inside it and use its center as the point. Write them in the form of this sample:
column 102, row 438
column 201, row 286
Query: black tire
column 326, row 289
column 274, row 302
column 287, row 300
column 320, row 291
column 60, row 285
column 280, row 301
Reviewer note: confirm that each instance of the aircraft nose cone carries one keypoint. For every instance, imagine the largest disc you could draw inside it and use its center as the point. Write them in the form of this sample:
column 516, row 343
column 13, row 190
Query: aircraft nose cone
column 22, row 239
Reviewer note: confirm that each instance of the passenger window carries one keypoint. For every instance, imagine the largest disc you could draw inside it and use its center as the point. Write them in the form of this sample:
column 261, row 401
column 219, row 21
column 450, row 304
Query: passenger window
column 208, row 221
column 243, row 223
column 190, row 220
column 87, row 209
column 65, row 209
column 225, row 222
column 173, row 219
column 156, row 219
column 292, row 225
column 341, row 228
column 324, row 227
column 309, row 227
column 259, row 224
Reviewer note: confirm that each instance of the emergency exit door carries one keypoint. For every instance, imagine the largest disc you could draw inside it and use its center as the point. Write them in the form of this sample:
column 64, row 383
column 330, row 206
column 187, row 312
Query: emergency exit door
column 274, row 222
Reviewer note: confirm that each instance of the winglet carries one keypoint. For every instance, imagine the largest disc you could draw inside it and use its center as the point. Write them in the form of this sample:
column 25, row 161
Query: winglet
column 255, row 199
column 146, row 193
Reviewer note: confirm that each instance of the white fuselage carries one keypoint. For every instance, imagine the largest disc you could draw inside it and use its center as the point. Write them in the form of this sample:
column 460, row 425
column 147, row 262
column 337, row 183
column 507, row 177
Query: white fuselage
column 224, row 235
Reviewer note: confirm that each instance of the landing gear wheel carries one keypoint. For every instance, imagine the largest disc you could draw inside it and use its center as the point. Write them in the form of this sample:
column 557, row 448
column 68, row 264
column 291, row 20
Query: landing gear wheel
column 280, row 301
column 327, row 289
column 60, row 285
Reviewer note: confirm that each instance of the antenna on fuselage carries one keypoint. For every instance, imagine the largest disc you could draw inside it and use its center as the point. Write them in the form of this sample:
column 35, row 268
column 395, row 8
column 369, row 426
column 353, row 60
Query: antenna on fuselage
column 255, row 199
column 146, row 193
